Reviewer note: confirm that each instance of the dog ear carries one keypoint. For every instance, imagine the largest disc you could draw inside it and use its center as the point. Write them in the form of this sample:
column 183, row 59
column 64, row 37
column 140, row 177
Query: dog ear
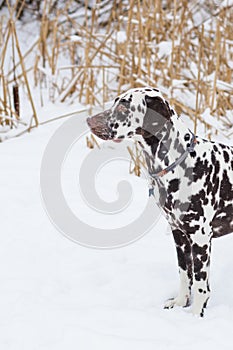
column 157, row 114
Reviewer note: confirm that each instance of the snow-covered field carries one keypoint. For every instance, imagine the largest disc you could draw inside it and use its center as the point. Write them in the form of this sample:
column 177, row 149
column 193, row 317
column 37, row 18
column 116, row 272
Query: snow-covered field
column 58, row 295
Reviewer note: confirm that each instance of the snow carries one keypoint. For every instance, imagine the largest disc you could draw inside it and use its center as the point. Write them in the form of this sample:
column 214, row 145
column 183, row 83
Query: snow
column 121, row 37
column 164, row 49
column 226, row 3
column 208, row 118
column 222, row 85
column 58, row 295
column 76, row 38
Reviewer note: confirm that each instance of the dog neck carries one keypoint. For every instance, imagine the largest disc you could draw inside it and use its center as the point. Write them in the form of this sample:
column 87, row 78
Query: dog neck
column 167, row 145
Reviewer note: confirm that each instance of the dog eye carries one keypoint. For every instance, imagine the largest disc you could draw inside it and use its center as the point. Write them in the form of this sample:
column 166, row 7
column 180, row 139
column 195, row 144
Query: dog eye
column 122, row 108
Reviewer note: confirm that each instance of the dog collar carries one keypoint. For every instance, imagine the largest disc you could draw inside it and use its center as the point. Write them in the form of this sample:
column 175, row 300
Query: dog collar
column 171, row 167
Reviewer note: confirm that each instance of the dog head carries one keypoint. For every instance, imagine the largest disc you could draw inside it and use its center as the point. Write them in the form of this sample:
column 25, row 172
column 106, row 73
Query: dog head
column 141, row 111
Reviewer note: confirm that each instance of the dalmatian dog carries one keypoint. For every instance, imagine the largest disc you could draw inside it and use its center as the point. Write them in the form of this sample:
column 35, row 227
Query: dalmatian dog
column 193, row 178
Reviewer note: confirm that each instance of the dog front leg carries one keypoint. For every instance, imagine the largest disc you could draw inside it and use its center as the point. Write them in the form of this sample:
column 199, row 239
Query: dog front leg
column 183, row 248
column 201, row 249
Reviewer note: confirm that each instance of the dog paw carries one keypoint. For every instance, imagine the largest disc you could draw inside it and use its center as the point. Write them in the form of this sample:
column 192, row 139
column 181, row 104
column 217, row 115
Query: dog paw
column 199, row 309
column 183, row 302
column 198, row 312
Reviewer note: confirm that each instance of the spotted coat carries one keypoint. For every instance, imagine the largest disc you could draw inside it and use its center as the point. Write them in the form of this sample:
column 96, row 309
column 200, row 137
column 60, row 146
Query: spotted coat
column 196, row 196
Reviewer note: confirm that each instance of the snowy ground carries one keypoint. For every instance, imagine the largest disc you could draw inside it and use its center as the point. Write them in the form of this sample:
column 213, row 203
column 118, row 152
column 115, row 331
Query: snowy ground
column 57, row 295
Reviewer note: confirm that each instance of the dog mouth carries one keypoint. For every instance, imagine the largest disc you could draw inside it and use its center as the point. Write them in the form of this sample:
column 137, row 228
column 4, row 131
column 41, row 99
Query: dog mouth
column 117, row 140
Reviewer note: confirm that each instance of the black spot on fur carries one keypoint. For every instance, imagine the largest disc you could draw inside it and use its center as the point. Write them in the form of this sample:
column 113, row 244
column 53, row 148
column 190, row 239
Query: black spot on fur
column 193, row 154
column 181, row 258
column 168, row 107
column 199, row 169
column 197, row 250
column 226, row 190
column 180, row 149
column 188, row 173
column 226, row 156
column 166, row 161
column 174, row 185
column 200, row 276
column 213, row 158
column 204, row 257
column 197, row 265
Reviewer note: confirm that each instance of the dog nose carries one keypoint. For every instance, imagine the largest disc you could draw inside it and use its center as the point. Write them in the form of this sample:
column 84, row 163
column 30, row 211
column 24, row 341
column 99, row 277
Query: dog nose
column 97, row 121
column 93, row 122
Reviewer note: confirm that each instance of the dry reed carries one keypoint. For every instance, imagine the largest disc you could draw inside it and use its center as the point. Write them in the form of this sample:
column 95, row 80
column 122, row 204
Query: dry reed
column 92, row 59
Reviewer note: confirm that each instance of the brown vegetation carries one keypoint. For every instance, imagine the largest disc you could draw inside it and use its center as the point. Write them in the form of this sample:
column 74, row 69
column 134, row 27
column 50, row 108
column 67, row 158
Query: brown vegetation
column 115, row 45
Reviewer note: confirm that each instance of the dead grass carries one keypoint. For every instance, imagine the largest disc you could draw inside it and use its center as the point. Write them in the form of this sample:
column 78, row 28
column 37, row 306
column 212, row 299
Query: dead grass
column 141, row 43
